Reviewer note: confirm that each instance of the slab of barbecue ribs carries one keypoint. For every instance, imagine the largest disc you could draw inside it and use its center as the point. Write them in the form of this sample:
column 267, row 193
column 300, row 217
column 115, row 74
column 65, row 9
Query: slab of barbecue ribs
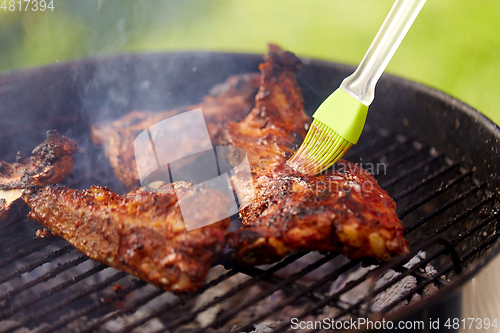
column 342, row 210
column 142, row 232
column 50, row 163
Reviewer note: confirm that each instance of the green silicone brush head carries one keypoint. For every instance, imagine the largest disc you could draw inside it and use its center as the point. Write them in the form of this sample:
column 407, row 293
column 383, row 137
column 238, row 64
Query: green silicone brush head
column 340, row 119
column 337, row 125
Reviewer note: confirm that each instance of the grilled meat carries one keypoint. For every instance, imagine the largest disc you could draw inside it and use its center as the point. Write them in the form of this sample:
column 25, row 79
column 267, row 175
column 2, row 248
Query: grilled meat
column 142, row 232
column 343, row 210
column 277, row 124
column 230, row 100
column 51, row 162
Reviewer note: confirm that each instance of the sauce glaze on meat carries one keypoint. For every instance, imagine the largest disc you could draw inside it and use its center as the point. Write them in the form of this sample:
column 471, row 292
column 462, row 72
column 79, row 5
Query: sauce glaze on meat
column 342, row 210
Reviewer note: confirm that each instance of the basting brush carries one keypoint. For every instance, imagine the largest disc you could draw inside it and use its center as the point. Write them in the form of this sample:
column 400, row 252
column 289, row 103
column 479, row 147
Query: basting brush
column 339, row 120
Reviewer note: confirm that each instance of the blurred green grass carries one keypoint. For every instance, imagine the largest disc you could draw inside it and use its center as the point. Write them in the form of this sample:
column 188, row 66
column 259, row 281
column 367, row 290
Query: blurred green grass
column 454, row 45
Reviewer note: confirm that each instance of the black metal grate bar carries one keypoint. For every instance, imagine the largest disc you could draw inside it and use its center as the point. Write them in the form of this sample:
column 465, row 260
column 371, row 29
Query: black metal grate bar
column 42, row 278
column 405, row 157
column 182, row 299
column 354, row 283
column 142, row 301
column 375, row 156
column 460, row 216
column 432, row 195
column 24, row 253
column 408, row 172
column 420, row 287
column 292, row 278
column 67, row 301
column 103, row 301
column 480, row 247
column 238, row 288
column 327, row 278
column 128, row 309
column 275, row 280
column 441, row 209
column 13, row 222
column 14, row 243
column 328, row 300
column 442, row 272
column 411, row 271
column 51, row 291
column 36, row 264
column 453, row 242
column 446, row 187
column 471, row 231
column 349, row 310
column 358, row 304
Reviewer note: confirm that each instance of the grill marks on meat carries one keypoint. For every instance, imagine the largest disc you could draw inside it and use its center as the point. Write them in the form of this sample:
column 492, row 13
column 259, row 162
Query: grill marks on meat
column 142, row 232
column 231, row 100
column 51, row 162
column 343, row 210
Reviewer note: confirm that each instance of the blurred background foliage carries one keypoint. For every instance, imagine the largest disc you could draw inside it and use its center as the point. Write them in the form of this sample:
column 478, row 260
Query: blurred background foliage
column 453, row 46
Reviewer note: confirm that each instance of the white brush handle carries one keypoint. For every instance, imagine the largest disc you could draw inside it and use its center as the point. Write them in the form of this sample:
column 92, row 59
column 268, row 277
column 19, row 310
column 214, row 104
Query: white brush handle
column 361, row 84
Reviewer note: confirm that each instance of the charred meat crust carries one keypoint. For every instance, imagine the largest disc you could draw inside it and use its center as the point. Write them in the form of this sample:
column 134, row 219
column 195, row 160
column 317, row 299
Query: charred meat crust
column 345, row 212
column 51, row 162
column 277, row 123
column 141, row 233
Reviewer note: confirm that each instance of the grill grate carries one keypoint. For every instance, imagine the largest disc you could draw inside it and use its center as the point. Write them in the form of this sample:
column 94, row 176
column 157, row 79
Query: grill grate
column 46, row 286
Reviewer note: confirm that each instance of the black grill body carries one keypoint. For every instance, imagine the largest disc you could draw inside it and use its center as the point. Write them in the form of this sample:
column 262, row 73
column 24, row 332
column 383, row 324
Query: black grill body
column 441, row 167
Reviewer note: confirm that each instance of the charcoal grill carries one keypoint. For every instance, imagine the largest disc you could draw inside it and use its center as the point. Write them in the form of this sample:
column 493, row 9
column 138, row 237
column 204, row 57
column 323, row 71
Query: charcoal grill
column 440, row 160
